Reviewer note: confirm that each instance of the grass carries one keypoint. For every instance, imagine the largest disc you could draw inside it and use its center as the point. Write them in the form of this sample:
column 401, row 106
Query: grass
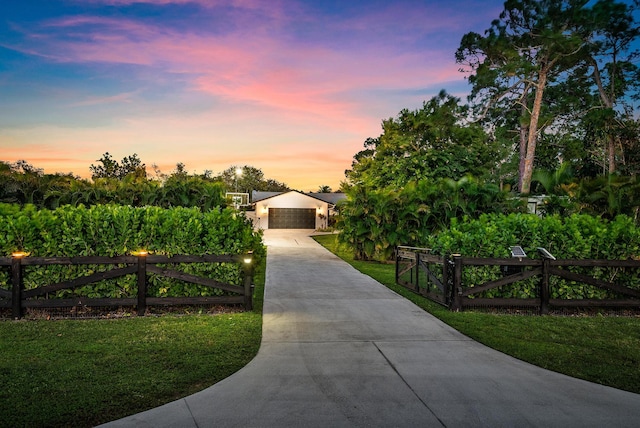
column 601, row 349
column 85, row 372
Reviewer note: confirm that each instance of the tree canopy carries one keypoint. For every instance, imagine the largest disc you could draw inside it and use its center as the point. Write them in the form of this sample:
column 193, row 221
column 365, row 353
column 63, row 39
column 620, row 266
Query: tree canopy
column 581, row 47
column 436, row 141
column 127, row 183
column 247, row 178
column 110, row 168
column 550, row 111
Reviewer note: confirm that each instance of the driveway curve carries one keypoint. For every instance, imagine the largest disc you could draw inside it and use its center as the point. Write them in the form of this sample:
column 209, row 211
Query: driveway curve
column 341, row 350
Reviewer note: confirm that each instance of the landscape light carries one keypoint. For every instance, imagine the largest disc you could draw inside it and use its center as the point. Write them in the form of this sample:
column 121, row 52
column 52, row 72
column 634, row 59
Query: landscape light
column 141, row 253
column 19, row 254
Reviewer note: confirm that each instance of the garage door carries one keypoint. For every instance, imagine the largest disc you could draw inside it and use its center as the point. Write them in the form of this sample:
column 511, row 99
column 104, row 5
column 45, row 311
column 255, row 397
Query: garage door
column 292, row 218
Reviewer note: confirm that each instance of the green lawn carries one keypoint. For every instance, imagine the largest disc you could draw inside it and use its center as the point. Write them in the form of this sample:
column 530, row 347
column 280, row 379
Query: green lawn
column 79, row 373
column 84, row 372
column 602, row 349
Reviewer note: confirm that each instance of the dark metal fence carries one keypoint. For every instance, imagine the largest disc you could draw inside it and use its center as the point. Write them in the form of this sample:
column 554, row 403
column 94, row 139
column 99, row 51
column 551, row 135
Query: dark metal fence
column 449, row 280
column 424, row 273
column 17, row 298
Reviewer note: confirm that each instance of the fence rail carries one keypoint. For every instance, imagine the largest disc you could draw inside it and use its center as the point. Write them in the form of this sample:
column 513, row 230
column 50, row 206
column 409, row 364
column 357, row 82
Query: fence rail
column 441, row 278
column 17, row 298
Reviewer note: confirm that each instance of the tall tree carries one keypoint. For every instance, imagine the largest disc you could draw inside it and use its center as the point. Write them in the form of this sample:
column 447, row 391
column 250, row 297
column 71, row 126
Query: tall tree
column 612, row 61
column 530, row 46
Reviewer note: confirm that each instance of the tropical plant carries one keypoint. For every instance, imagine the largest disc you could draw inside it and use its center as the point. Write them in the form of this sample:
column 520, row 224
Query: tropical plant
column 609, row 196
column 374, row 221
column 556, row 182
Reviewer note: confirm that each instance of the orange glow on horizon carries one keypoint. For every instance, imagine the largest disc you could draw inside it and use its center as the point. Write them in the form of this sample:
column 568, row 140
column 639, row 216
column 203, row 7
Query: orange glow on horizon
column 290, row 87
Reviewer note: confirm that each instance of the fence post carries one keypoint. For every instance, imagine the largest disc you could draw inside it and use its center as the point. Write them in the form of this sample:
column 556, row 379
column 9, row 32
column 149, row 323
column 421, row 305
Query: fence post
column 16, row 283
column 247, row 270
column 446, row 280
column 142, row 283
column 417, row 284
column 544, row 287
column 457, row 282
column 397, row 264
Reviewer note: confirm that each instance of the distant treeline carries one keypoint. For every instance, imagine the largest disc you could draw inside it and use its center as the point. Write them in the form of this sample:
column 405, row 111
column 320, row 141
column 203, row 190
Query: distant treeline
column 128, row 183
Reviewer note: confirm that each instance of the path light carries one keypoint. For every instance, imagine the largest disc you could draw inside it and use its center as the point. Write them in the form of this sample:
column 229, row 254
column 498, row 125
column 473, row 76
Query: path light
column 248, row 280
column 516, row 253
column 545, row 254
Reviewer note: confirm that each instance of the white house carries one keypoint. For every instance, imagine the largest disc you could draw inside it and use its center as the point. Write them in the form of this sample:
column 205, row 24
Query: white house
column 293, row 209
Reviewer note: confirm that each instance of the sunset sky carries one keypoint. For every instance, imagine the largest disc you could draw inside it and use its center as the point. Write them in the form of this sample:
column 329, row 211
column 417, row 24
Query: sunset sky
column 291, row 87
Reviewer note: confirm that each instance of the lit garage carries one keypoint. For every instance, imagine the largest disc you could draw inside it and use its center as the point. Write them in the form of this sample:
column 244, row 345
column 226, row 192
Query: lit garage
column 293, row 209
column 292, row 218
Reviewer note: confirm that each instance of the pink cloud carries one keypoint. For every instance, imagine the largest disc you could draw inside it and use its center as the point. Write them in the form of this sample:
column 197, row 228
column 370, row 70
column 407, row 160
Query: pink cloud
column 295, row 107
column 250, row 68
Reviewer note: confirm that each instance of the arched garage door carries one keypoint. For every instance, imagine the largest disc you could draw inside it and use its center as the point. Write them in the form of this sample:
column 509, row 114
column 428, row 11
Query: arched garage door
column 292, row 218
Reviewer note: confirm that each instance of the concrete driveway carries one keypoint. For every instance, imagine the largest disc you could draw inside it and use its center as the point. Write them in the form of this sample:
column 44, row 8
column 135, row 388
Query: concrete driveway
column 341, row 350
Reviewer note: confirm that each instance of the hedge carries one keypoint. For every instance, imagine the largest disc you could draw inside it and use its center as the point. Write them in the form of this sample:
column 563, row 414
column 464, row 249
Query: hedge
column 578, row 236
column 113, row 230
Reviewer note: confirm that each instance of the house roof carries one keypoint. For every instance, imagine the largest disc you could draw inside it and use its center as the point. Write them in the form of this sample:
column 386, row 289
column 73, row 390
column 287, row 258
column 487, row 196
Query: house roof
column 331, row 198
column 257, row 196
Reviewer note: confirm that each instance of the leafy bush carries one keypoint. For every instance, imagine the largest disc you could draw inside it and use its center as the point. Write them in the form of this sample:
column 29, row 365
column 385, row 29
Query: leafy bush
column 609, row 196
column 374, row 221
column 578, row 236
column 113, row 230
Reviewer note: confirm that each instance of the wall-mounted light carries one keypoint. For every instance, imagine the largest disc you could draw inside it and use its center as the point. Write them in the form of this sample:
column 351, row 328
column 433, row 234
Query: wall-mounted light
column 319, row 210
column 265, row 209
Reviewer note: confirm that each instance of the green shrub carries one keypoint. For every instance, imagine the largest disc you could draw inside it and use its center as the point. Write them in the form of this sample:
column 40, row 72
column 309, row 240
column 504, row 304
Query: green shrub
column 374, row 221
column 113, row 230
column 578, row 236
